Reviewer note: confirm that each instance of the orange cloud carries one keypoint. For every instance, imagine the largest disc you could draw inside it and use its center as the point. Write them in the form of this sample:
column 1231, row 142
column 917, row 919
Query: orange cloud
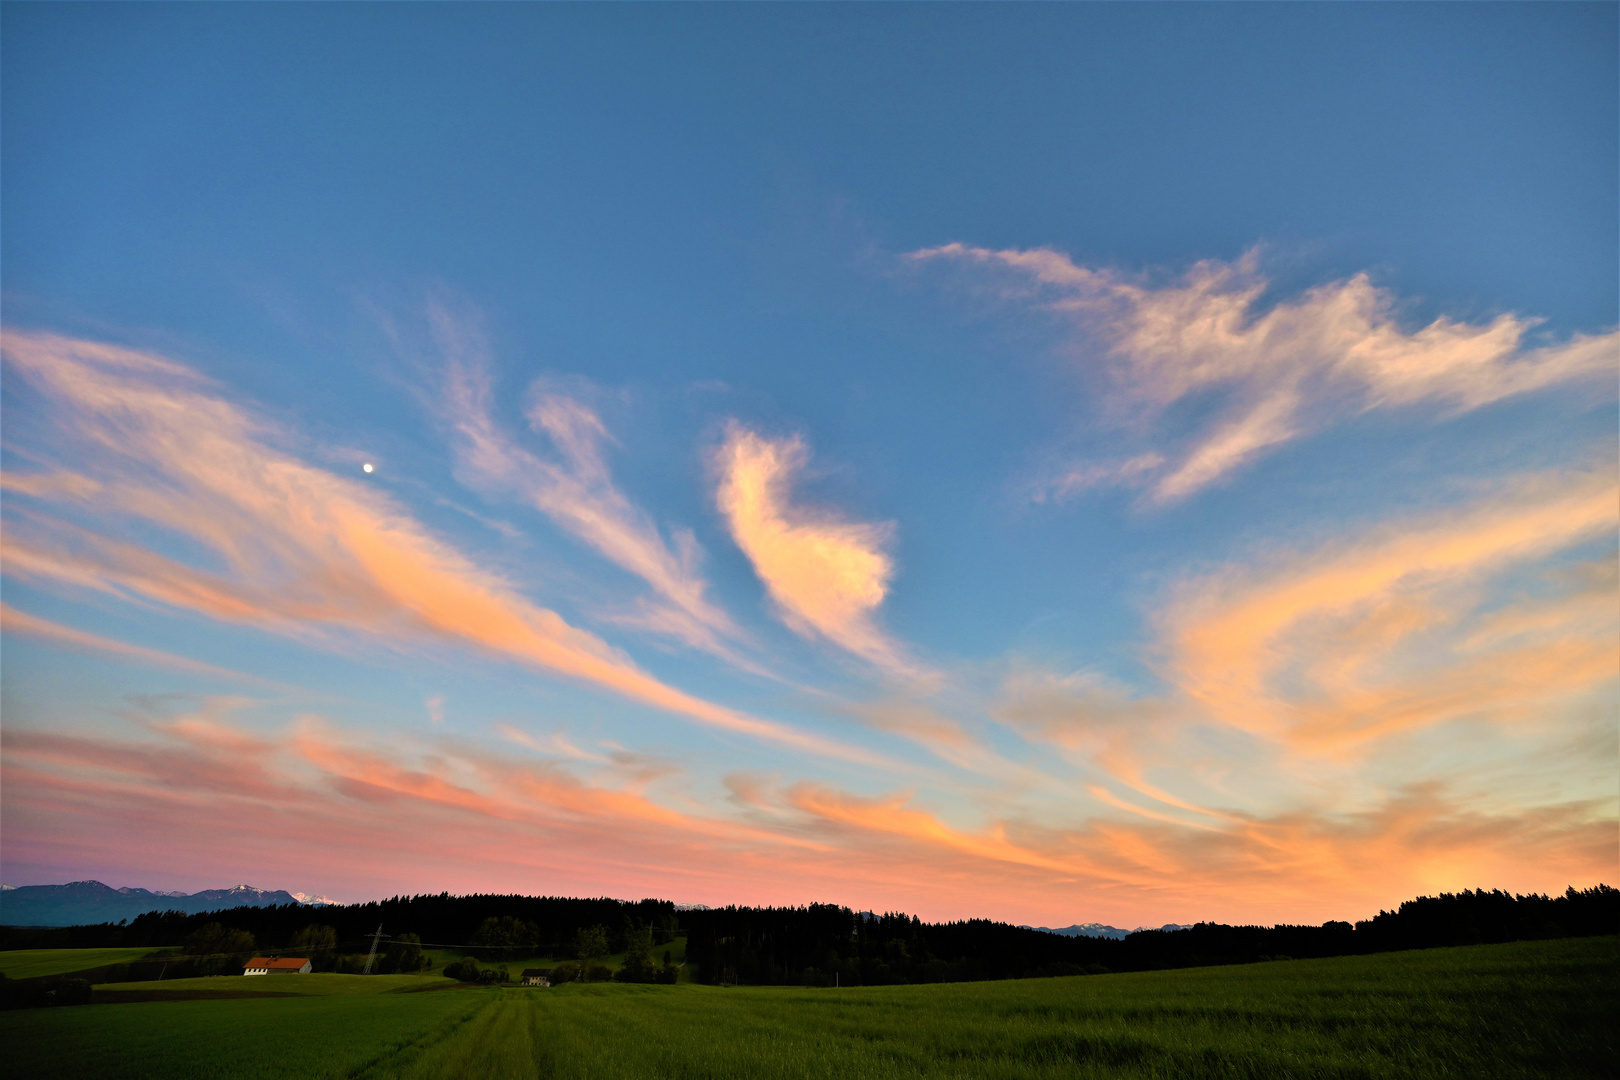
column 1337, row 349
column 891, row 816
column 1480, row 645
column 1357, row 622
column 826, row 576
column 301, row 551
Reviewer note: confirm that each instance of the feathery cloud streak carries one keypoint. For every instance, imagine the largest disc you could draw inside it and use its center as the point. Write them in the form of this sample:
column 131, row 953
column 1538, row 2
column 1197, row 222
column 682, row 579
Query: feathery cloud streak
column 826, row 576
column 300, row 551
column 1338, row 349
column 576, row 492
column 1398, row 629
column 13, row 621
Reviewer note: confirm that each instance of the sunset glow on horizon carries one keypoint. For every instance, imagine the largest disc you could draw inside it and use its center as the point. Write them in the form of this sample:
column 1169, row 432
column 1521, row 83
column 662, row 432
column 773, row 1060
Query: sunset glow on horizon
column 779, row 456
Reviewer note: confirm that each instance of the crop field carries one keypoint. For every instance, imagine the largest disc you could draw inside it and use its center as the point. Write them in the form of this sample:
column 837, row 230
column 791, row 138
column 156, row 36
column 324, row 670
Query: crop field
column 323, row 985
column 1527, row 1009
column 33, row 963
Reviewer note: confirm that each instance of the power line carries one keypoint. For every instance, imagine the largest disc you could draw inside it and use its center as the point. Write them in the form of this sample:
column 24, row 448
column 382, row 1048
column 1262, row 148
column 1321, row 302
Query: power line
column 372, row 958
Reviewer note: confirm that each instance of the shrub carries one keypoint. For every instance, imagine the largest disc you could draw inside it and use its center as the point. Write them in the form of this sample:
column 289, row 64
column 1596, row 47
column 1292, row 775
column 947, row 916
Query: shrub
column 403, row 956
column 468, row 971
column 350, row 964
column 462, row 970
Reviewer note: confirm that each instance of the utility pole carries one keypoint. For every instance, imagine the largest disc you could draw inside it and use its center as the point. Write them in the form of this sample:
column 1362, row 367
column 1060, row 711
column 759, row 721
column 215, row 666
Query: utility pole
column 371, row 959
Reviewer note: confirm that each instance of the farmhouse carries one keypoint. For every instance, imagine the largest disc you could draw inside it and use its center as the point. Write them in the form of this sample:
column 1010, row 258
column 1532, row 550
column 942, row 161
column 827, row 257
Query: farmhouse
column 536, row 976
column 277, row 965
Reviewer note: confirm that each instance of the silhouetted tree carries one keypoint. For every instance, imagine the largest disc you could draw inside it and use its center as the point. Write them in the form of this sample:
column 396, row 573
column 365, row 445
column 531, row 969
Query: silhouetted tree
column 638, row 960
column 403, row 956
column 318, row 942
column 590, row 943
column 216, row 949
column 506, row 937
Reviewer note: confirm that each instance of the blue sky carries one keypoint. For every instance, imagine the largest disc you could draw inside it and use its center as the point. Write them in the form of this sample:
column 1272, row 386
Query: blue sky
column 944, row 401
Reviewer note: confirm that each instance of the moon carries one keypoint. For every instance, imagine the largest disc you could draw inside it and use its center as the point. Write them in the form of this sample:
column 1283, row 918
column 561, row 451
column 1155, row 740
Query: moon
column 366, row 466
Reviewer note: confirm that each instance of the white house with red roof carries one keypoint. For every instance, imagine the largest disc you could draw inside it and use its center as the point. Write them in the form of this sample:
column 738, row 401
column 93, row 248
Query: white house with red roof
column 277, row 965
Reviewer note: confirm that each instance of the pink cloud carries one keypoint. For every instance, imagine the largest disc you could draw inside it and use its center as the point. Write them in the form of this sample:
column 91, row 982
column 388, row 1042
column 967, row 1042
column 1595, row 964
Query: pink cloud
column 318, row 806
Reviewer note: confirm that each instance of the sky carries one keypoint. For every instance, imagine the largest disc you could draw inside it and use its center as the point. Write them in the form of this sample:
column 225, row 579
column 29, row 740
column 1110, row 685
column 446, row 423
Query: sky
column 1054, row 463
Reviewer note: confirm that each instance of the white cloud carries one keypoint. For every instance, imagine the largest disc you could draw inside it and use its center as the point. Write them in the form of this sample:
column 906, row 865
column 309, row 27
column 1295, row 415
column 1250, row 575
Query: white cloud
column 576, row 491
column 1335, row 350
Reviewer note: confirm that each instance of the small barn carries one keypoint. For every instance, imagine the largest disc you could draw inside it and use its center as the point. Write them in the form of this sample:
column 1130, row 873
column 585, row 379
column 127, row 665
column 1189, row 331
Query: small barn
column 277, row 965
column 536, row 976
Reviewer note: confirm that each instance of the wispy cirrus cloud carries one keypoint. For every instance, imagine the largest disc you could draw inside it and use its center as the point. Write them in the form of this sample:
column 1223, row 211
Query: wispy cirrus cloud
column 13, row 621
column 1284, row 372
column 826, row 576
column 575, row 489
column 264, row 539
column 1408, row 625
column 1072, row 479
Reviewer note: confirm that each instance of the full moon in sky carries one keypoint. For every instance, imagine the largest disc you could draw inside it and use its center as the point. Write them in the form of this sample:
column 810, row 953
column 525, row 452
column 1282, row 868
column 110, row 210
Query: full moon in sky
column 366, row 466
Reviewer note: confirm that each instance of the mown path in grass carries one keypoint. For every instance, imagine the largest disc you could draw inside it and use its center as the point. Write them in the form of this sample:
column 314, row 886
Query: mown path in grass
column 1529, row 1009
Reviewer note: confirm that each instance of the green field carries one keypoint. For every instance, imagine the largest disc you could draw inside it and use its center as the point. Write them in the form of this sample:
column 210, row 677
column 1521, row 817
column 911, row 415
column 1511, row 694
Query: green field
column 1528, row 1009
column 325, row 984
column 33, row 963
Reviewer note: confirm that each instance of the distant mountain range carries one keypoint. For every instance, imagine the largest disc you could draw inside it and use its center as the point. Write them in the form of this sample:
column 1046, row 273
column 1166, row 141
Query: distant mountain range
column 1092, row 929
column 81, row 902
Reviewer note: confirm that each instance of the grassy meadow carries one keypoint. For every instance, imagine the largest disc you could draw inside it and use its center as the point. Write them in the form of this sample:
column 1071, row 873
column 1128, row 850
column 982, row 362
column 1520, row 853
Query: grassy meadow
column 1526, row 1009
column 34, row 963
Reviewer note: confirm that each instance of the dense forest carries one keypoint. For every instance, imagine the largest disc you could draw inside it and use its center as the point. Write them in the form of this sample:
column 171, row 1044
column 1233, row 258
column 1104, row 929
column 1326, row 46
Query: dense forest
column 821, row 944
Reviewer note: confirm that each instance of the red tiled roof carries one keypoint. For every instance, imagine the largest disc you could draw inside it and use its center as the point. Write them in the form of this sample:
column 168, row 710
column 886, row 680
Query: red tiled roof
column 274, row 962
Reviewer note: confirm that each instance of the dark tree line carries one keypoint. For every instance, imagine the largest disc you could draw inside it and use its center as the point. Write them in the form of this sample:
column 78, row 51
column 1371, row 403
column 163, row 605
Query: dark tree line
column 439, row 919
column 822, row 944
column 819, row 944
